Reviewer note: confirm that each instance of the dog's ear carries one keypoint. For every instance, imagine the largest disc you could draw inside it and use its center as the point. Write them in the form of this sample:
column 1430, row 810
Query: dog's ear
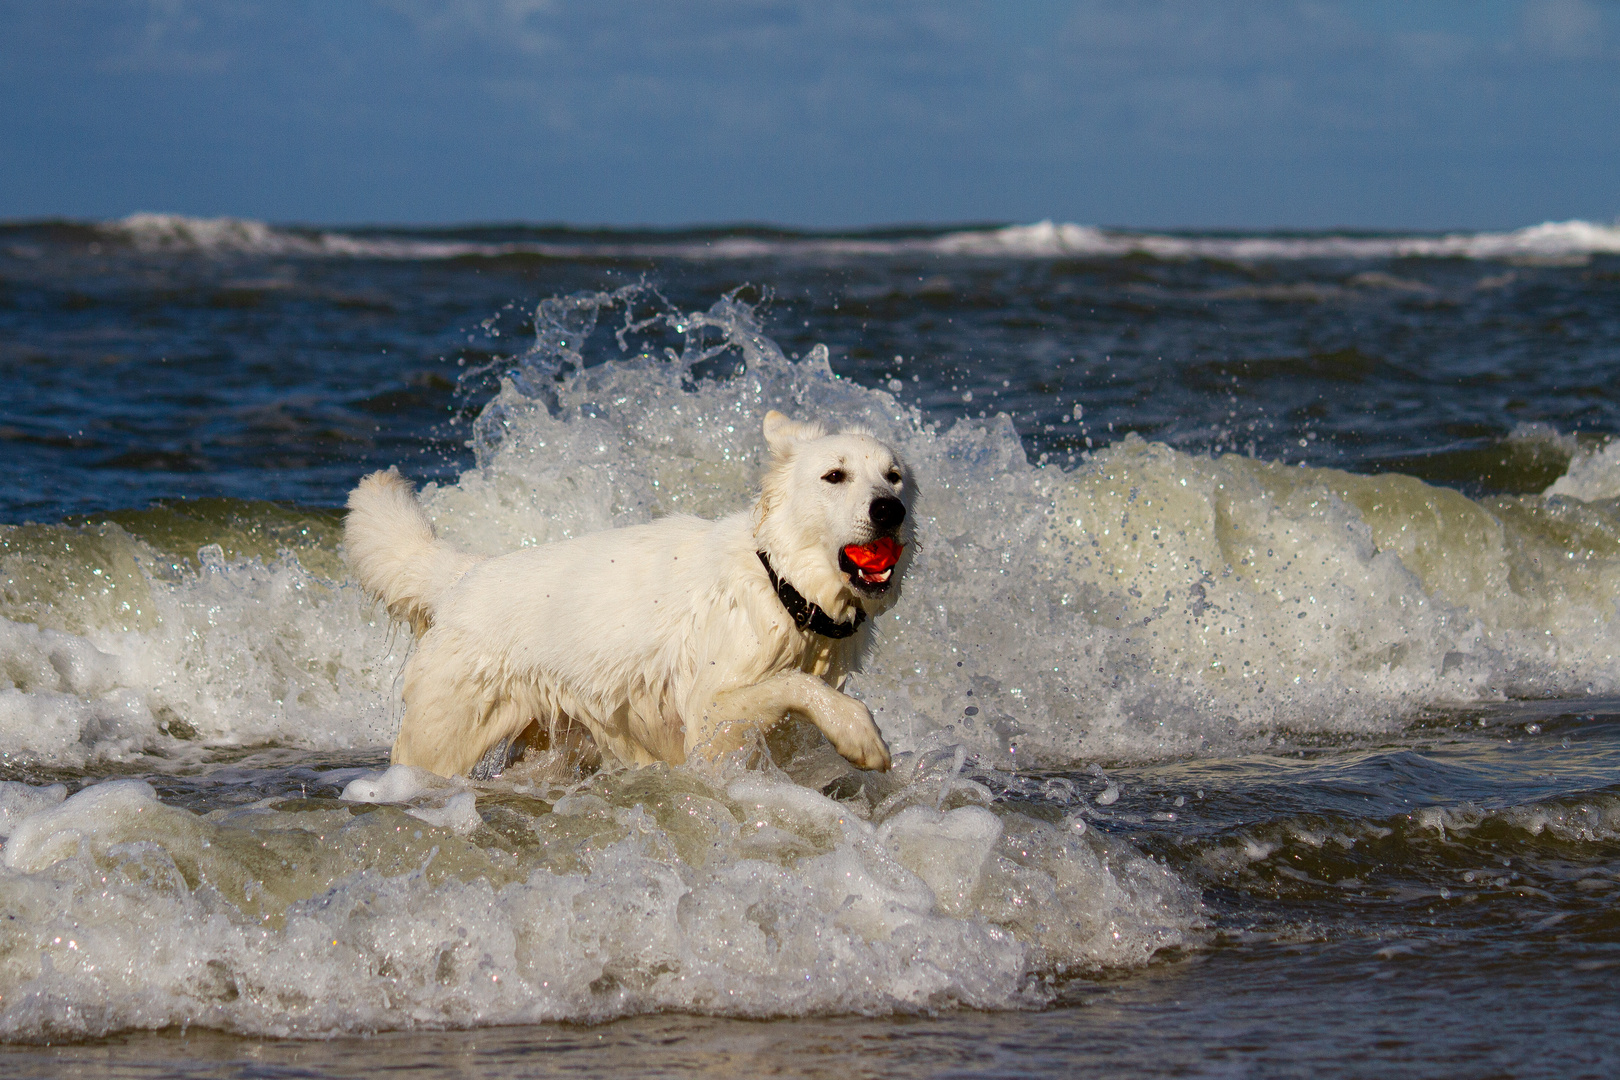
column 781, row 433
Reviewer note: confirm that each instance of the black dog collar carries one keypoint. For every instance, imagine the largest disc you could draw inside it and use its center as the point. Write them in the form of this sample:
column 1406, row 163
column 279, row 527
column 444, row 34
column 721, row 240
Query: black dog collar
column 808, row 616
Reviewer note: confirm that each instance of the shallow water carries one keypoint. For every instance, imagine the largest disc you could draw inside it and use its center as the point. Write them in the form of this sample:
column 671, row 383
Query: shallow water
column 1254, row 685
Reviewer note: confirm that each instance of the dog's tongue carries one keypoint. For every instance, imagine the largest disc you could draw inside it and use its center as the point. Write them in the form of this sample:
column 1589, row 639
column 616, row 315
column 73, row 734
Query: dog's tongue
column 877, row 556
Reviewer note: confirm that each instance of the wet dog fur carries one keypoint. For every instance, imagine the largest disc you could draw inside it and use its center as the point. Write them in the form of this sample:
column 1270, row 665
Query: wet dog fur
column 662, row 641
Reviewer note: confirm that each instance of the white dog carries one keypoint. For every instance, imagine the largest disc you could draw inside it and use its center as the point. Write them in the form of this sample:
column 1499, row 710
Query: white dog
column 665, row 640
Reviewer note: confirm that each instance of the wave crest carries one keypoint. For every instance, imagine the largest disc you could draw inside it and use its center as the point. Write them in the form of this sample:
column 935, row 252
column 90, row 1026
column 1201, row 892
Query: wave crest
column 1555, row 241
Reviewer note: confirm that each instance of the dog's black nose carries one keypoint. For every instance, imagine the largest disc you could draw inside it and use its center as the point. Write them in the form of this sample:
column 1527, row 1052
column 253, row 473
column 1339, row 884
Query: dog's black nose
column 887, row 512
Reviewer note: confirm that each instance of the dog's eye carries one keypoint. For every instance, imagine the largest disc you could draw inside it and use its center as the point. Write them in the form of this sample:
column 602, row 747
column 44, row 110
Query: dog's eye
column 836, row 476
column 892, row 476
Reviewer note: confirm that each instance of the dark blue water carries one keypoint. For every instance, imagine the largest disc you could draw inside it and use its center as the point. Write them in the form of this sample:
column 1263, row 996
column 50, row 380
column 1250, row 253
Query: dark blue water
column 132, row 374
column 1430, row 890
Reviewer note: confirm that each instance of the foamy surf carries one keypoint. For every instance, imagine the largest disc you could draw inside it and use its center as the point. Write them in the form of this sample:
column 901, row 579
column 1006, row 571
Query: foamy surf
column 629, row 893
column 1553, row 240
column 1147, row 605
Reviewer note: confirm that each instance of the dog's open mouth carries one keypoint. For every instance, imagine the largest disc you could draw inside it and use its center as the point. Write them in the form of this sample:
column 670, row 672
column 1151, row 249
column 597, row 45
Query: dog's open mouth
column 871, row 567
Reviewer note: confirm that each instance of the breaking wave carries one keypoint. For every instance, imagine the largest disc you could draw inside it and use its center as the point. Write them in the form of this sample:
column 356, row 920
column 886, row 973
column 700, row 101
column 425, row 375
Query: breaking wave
column 1145, row 605
column 1150, row 602
column 1556, row 241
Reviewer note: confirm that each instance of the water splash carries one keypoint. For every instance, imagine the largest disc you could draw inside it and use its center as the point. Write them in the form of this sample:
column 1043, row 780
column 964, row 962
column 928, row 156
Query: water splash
column 1147, row 603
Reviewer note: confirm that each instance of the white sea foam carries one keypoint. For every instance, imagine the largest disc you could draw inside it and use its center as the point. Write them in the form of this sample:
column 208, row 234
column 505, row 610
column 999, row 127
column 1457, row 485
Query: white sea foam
column 176, row 232
column 1593, row 474
column 396, row 784
column 636, row 892
column 1553, row 240
column 237, row 652
column 1148, row 603
column 19, row 800
column 1594, row 819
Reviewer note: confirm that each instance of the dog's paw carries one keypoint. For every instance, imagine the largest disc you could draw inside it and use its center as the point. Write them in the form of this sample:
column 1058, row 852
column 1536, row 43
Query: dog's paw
column 862, row 745
column 873, row 755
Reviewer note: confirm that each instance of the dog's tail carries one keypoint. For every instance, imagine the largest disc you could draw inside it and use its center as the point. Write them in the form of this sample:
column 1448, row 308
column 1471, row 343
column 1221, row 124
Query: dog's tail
column 390, row 544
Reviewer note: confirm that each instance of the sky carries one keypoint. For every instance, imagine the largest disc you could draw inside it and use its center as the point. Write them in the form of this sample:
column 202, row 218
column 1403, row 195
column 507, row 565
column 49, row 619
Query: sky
column 1240, row 114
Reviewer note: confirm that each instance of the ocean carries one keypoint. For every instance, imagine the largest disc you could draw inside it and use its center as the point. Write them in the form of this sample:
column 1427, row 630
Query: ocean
column 1254, row 691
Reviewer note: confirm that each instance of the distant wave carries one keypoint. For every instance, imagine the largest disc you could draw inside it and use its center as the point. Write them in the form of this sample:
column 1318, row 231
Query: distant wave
column 1554, row 240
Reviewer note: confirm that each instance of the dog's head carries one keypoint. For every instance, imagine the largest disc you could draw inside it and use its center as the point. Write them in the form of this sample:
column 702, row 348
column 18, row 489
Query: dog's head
column 834, row 515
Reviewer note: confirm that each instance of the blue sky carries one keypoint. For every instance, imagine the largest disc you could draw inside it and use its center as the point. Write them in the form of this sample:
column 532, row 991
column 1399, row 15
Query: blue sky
column 1421, row 114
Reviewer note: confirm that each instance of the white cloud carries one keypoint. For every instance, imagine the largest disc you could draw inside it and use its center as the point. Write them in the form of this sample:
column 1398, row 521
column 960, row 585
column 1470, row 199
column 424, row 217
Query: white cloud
column 503, row 25
column 1567, row 28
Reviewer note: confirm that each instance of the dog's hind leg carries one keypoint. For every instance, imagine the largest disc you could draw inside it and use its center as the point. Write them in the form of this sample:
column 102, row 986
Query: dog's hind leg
column 453, row 717
column 846, row 722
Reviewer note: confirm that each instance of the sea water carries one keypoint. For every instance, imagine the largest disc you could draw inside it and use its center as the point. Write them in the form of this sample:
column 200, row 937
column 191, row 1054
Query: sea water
column 1253, row 691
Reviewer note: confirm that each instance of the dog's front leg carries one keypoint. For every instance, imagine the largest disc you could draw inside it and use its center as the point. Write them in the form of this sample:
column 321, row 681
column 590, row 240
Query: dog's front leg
column 846, row 722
